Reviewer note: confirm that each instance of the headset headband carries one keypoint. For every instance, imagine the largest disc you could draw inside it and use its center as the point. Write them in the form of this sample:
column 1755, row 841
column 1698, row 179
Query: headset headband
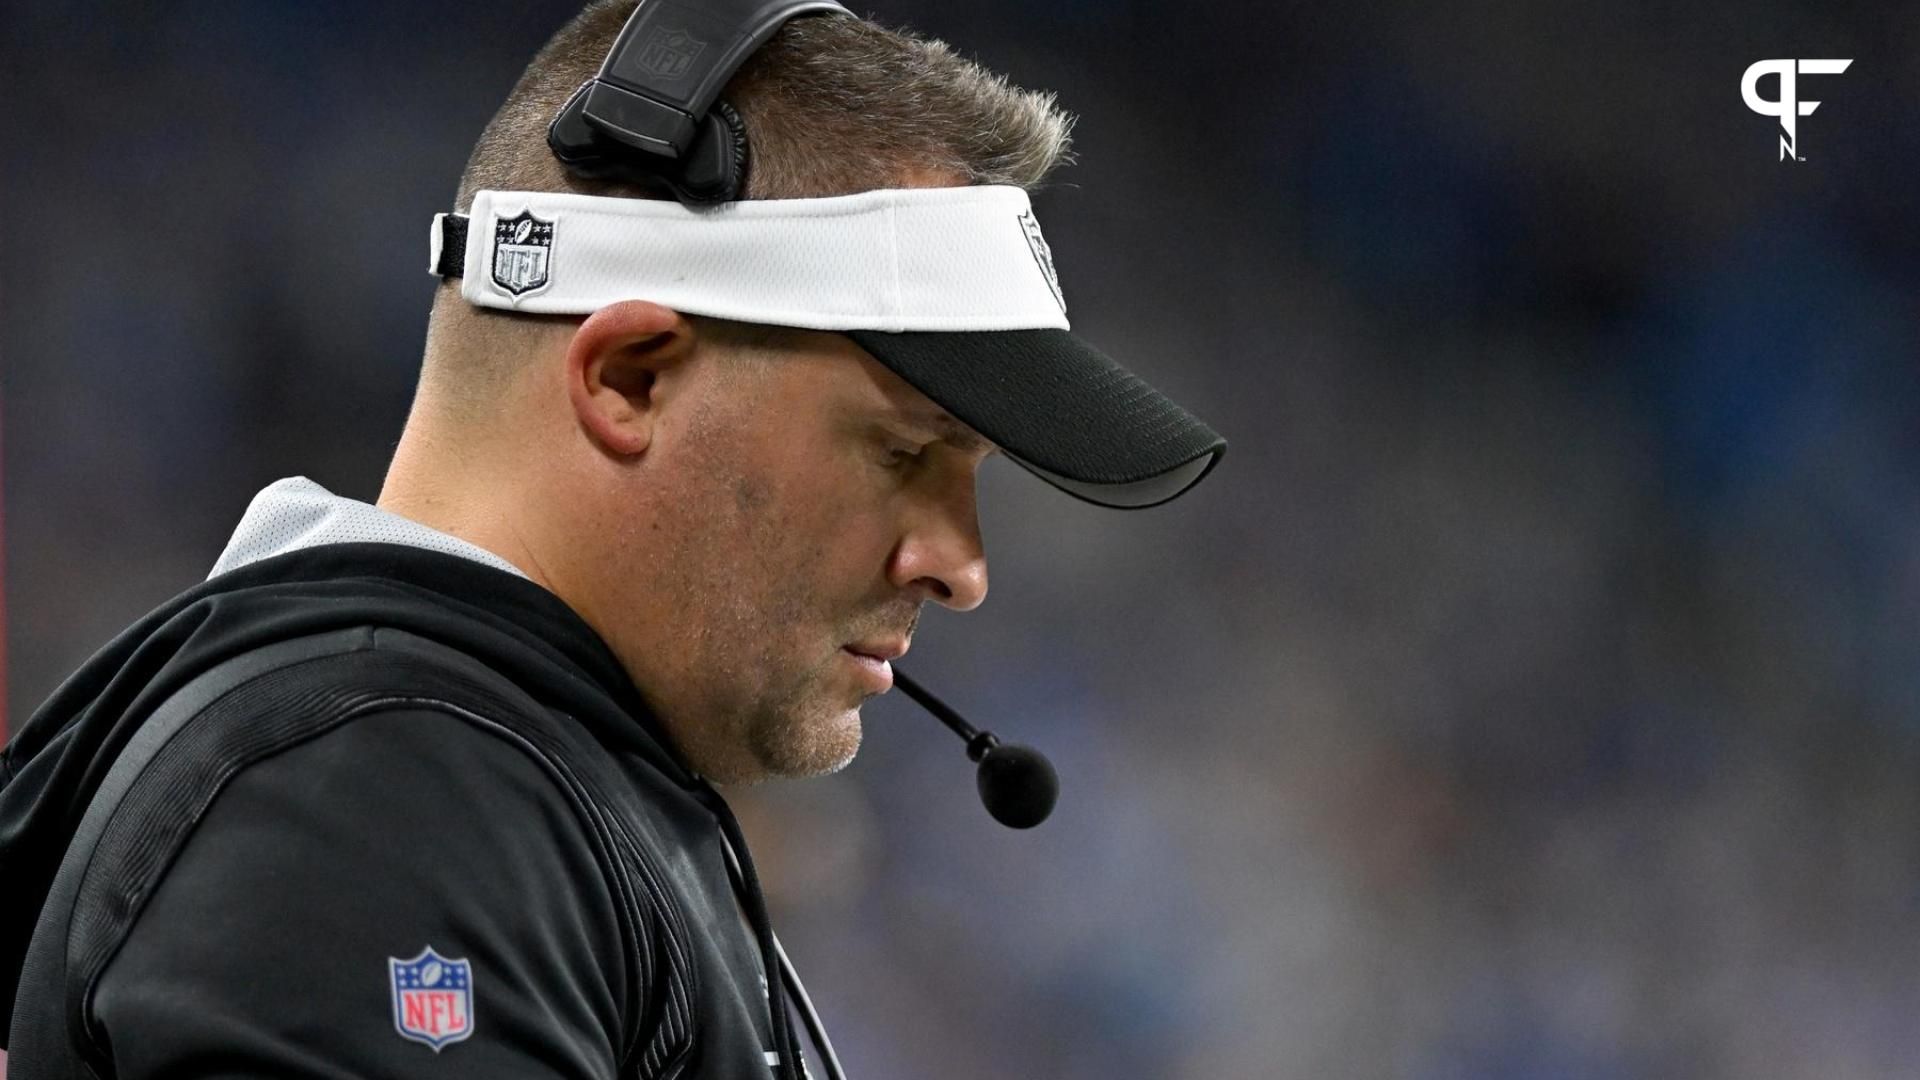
column 653, row 116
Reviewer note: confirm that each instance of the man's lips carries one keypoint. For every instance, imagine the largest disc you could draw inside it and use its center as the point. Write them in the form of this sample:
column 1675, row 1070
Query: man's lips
column 884, row 649
column 872, row 658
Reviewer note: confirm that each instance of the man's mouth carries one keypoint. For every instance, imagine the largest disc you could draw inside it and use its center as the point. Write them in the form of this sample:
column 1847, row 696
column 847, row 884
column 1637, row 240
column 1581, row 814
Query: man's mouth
column 881, row 648
column 873, row 659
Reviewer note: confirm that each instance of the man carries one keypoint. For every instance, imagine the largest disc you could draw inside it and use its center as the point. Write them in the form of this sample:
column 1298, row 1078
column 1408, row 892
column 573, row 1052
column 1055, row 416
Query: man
column 426, row 786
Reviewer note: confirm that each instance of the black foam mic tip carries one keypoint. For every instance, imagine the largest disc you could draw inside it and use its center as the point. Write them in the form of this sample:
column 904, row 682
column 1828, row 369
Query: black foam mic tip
column 1018, row 785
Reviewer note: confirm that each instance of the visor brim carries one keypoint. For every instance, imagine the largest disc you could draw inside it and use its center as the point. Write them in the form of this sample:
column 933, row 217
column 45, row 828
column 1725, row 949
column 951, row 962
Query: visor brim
column 1061, row 408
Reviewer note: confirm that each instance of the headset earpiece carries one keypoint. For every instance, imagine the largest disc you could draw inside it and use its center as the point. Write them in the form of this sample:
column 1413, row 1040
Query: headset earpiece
column 714, row 169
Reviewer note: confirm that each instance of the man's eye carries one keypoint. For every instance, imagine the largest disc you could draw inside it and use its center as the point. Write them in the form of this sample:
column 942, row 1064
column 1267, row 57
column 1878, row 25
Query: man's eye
column 904, row 455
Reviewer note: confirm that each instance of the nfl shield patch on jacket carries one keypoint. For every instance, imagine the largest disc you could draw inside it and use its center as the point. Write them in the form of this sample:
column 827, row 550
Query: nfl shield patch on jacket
column 432, row 998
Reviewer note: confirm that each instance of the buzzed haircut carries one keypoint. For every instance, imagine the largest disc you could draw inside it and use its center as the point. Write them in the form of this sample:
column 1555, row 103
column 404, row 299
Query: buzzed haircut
column 832, row 105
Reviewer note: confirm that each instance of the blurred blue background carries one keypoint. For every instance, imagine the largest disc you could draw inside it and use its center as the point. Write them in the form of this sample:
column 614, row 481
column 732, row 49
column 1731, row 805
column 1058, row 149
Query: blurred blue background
column 1532, row 693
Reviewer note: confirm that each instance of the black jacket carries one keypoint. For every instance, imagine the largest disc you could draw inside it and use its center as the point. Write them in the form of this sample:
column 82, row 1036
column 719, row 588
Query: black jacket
column 460, row 764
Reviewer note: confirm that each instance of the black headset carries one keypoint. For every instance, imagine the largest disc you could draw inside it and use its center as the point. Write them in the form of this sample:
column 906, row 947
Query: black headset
column 653, row 116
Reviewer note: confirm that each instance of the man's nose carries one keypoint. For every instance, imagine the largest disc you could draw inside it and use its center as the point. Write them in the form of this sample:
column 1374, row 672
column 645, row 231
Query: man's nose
column 941, row 555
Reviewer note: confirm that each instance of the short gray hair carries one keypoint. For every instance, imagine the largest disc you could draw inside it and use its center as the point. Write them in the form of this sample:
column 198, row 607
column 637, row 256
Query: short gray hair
column 832, row 105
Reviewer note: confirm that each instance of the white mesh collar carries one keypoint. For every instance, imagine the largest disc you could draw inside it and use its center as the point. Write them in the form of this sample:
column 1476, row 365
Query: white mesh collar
column 943, row 259
column 296, row 513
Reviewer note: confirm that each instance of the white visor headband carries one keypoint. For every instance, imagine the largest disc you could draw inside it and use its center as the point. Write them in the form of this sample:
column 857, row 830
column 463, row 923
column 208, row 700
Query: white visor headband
column 942, row 259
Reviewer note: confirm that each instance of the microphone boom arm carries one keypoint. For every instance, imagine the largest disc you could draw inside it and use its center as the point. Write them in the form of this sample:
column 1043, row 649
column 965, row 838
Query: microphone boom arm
column 978, row 742
column 1017, row 783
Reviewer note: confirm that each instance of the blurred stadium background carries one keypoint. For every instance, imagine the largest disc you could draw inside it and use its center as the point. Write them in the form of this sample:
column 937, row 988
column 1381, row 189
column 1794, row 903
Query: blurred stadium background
column 1534, row 691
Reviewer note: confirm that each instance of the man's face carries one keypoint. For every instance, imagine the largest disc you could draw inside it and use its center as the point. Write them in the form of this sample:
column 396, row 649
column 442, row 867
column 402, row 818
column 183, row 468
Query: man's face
column 804, row 503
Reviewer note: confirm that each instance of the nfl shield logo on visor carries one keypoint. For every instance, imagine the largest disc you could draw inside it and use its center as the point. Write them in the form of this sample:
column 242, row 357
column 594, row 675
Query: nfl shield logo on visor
column 522, row 252
column 432, row 998
column 1043, row 255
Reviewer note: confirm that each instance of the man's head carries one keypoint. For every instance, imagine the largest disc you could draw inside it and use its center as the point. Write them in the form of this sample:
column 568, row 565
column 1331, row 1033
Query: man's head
column 740, row 511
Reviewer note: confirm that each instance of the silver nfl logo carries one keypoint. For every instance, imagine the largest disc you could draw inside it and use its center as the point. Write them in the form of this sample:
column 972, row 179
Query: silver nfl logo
column 1043, row 255
column 522, row 252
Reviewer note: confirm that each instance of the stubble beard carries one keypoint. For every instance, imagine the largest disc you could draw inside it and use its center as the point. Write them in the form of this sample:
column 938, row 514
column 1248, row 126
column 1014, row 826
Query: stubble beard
column 771, row 720
column 777, row 701
column 807, row 734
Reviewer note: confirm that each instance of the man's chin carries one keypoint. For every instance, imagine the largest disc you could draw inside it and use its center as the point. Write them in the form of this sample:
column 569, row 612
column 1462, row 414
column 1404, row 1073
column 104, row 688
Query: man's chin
column 816, row 747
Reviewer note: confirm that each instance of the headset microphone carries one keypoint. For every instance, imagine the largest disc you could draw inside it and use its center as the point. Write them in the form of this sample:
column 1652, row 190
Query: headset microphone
column 1017, row 782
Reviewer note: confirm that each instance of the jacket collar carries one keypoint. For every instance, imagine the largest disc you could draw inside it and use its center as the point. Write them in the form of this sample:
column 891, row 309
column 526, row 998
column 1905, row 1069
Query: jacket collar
column 296, row 513
column 296, row 531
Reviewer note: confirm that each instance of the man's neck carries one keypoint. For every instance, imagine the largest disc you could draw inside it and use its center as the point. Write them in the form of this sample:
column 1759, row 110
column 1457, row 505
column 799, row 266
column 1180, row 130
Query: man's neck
column 422, row 486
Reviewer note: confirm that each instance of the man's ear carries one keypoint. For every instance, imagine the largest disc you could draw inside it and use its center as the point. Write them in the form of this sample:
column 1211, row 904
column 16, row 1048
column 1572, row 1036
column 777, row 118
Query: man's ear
column 614, row 366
